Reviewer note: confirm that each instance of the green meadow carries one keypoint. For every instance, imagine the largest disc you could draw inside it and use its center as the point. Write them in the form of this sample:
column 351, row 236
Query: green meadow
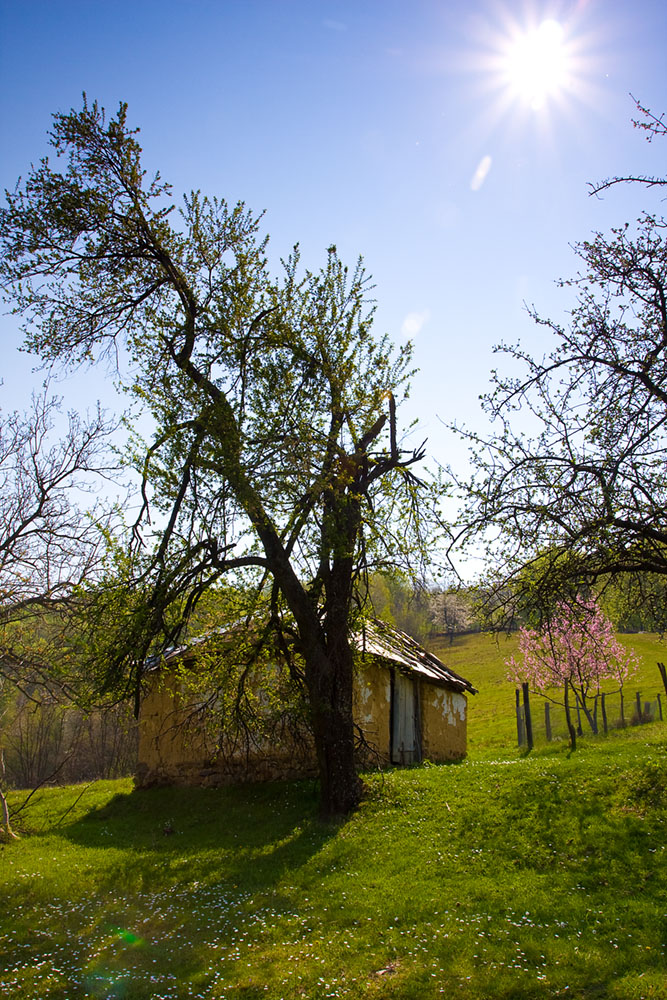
column 491, row 715
column 504, row 876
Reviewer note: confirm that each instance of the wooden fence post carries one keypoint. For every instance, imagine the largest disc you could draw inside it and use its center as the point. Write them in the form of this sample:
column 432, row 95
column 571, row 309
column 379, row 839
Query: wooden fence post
column 527, row 716
column 519, row 719
column 663, row 674
column 604, row 712
column 638, row 699
column 547, row 720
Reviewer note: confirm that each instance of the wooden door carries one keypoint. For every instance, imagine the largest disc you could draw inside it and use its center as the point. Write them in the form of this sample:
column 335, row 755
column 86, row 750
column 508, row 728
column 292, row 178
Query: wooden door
column 405, row 735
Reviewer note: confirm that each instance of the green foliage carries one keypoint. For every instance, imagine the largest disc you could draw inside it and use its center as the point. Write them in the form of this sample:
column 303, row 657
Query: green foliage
column 238, row 688
column 636, row 603
column 399, row 600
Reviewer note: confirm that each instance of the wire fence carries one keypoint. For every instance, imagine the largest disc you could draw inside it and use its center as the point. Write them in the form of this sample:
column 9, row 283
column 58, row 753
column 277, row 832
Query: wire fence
column 540, row 721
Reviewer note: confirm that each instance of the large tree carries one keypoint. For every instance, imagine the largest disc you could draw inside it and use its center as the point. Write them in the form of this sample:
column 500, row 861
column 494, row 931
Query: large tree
column 276, row 454
column 571, row 492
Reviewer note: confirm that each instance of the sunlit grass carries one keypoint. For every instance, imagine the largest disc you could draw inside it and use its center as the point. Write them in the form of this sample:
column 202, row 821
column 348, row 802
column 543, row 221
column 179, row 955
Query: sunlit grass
column 481, row 659
column 503, row 876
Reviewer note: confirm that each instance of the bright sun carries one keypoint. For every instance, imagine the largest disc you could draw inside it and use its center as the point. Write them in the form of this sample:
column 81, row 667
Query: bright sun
column 536, row 64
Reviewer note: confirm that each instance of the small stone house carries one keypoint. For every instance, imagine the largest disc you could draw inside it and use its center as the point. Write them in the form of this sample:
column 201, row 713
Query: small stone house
column 408, row 707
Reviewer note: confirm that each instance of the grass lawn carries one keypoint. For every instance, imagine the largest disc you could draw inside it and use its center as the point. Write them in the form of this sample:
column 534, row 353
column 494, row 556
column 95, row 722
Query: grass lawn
column 500, row 877
column 481, row 659
column 504, row 877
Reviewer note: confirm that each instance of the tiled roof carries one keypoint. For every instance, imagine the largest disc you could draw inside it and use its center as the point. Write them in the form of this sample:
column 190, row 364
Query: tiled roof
column 375, row 638
column 389, row 643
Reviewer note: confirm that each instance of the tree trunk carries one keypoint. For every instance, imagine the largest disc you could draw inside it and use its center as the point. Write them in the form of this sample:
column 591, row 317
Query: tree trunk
column 581, row 702
column 340, row 785
column 568, row 719
column 5, row 817
column 330, row 677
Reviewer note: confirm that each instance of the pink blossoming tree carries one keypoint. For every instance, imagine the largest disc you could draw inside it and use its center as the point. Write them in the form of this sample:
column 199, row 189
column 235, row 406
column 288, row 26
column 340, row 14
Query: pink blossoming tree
column 573, row 654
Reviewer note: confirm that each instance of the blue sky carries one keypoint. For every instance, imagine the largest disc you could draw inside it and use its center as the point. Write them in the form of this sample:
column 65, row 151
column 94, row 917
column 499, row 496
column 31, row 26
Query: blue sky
column 365, row 124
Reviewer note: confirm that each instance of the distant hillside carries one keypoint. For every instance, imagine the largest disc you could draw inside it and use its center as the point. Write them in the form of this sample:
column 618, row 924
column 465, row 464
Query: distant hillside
column 481, row 659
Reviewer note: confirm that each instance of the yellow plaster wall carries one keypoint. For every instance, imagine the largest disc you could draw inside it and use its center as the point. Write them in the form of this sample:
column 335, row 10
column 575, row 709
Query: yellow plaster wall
column 171, row 751
column 168, row 749
column 371, row 705
column 444, row 723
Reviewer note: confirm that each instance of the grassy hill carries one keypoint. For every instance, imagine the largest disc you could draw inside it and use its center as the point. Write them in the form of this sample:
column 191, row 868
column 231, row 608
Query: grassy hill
column 507, row 876
column 481, row 659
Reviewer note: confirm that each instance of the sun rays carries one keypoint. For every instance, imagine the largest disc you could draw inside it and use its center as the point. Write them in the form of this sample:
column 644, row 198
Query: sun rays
column 537, row 64
column 537, row 68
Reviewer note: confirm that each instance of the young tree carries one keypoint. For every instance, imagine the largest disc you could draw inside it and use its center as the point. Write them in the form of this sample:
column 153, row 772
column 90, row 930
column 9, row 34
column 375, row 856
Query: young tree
column 585, row 499
column 51, row 527
column 276, row 453
column 50, row 541
column 573, row 652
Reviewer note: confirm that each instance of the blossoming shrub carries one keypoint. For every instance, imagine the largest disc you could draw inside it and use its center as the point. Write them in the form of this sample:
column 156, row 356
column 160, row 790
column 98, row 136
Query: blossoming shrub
column 572, row 654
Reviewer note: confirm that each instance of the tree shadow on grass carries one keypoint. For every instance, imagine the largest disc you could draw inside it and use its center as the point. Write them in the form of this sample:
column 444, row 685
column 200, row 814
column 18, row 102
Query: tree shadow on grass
column 180, row 878
column 560, row 824
column 249, row 834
